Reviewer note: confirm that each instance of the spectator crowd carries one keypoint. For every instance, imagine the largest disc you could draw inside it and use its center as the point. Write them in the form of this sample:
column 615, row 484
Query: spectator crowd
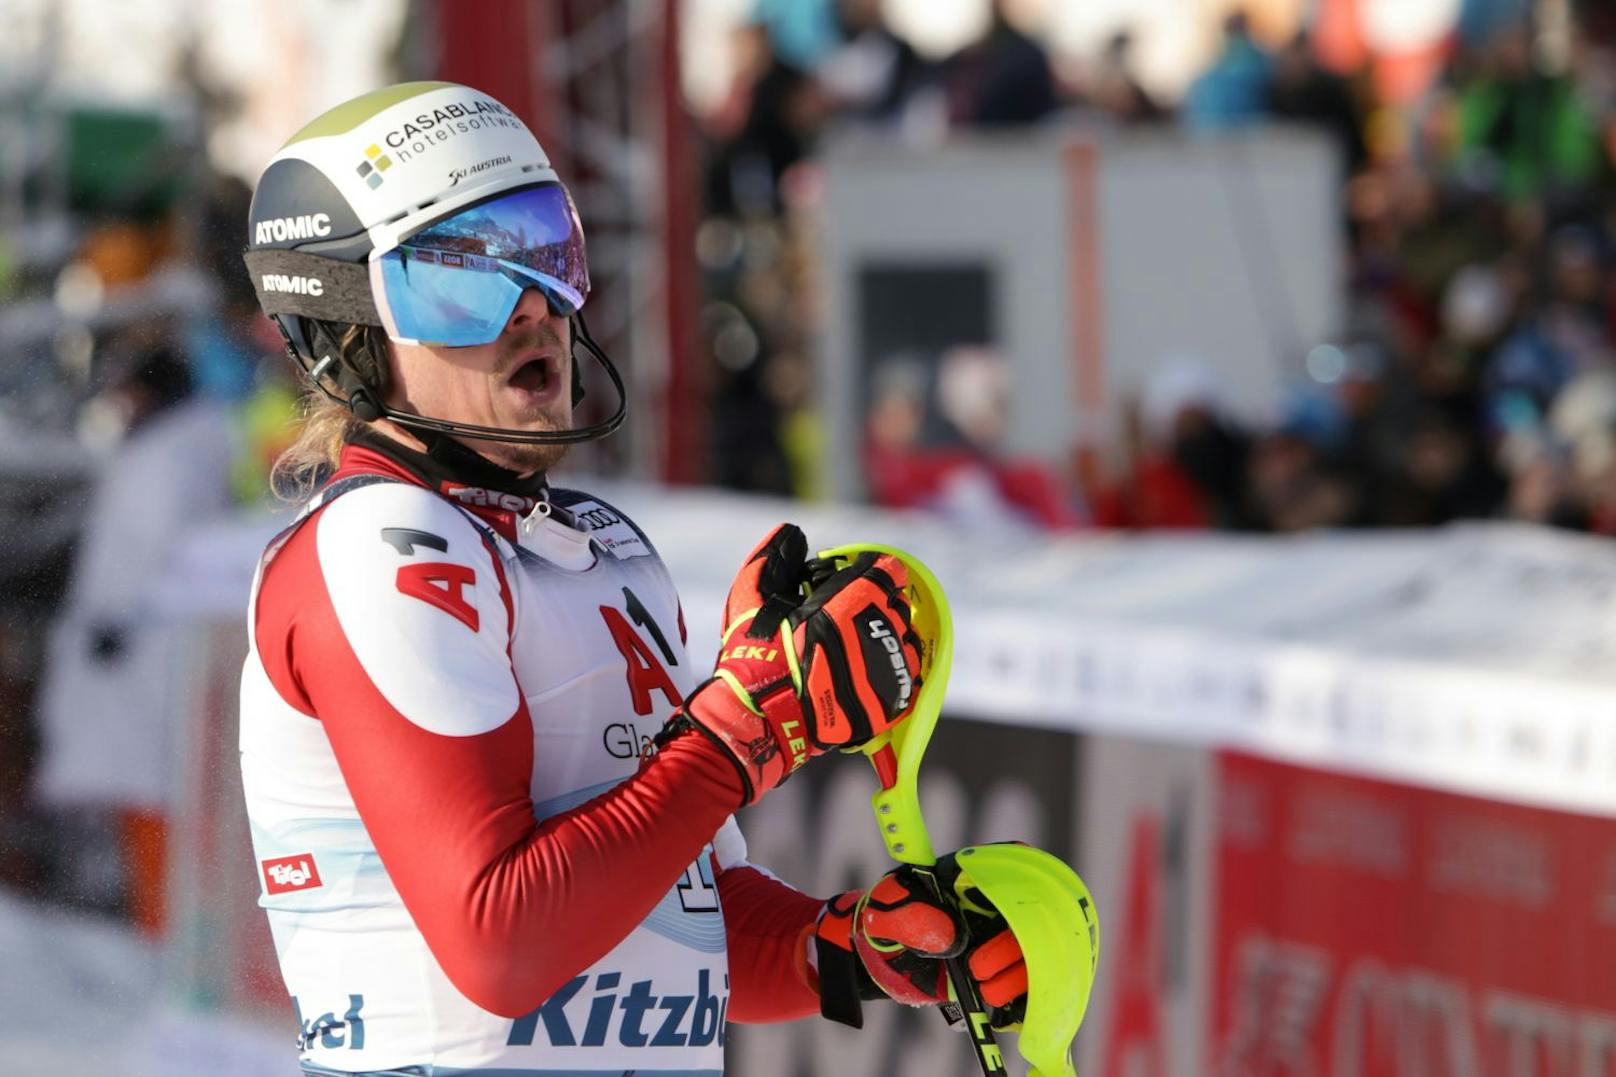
column 1474, row 376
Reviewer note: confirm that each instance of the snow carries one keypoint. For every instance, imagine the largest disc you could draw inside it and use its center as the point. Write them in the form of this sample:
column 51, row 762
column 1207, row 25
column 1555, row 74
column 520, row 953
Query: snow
column 81, row 995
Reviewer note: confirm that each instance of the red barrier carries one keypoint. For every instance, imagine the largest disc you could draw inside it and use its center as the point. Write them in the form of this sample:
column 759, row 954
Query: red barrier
column 1366, row 929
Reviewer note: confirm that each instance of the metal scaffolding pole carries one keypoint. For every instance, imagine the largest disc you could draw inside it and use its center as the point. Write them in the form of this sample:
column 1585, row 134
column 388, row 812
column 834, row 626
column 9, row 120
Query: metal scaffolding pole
column 598, row 81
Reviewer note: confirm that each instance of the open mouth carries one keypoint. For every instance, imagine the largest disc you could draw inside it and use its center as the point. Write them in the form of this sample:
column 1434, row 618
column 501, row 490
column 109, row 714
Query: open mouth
column 537, row 375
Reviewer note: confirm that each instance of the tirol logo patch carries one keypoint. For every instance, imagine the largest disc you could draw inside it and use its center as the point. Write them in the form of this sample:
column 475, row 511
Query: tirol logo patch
column 287, row 874
column 883, row 657
column 492, row 499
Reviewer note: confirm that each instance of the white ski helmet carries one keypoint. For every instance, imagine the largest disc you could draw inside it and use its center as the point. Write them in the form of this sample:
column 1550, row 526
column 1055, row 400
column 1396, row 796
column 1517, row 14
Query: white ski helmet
column 423, row 209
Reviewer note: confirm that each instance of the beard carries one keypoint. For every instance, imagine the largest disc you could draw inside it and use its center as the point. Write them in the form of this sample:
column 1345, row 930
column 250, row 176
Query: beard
column 524, row 459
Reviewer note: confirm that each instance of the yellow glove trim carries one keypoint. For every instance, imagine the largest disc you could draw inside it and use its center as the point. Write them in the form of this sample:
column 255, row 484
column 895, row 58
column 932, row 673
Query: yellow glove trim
column 740, row 693
column 788, row 644
column 745, row 615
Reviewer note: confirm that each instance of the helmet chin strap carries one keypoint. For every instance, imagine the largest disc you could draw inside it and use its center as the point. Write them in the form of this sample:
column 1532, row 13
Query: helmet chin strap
column 364, row 405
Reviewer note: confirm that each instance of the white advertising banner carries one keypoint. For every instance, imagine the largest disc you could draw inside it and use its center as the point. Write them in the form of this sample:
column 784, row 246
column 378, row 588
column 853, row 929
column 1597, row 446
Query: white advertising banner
column 1479, row 658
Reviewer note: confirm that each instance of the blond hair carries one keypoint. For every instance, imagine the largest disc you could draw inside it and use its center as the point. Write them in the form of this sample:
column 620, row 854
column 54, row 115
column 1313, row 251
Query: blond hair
column 327, row 423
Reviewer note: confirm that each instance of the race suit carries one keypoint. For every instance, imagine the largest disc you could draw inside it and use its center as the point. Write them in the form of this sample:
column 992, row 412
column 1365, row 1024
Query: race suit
column 469, row 860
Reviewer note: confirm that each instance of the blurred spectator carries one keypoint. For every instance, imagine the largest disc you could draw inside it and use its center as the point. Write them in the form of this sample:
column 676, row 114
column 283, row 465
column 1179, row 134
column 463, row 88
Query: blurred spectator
column 105, row 706
column 1523, row 130
column 1183, row 414
column 788, row 385
column 1576, row 311
column 222, row 354
column 1561, row 475
column 1291, row 487
column 893, row 429
column 1446, row 472
column 874, row 76
column 1155, row 493
column 1116, row 91
column 1301, row 91
column 1003, row 80
column 1189, row 461
column 780, row 110
column 1565, row 333
column 802, row 32
column 236, row 354
column 1541, row 490
column 965, row 472
column 1481, row 22
column 1300, row 473
column 1375, row 397
column 1482, row 229
column 1232, row 92
column 747, row 448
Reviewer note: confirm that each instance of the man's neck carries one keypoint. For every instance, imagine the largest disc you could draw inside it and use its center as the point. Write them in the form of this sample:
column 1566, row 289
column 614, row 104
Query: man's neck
column 451, row 468
column 404, row 437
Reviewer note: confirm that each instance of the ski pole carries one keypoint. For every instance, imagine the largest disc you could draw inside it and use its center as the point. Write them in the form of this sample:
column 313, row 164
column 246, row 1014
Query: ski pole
column 896, row 757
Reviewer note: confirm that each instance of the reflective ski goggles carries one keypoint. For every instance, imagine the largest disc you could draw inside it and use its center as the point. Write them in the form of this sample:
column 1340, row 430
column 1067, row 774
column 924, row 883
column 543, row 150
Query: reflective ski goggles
column 456, row 281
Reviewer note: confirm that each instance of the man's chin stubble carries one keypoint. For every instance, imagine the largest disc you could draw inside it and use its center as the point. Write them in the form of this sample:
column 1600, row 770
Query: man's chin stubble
column 528, row 458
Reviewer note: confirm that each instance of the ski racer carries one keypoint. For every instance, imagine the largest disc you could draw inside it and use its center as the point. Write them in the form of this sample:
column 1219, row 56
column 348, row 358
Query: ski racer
column 467, row 867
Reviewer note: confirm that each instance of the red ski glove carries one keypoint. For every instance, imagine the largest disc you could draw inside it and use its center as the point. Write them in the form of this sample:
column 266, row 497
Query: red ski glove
column 892, row 940
column 797, row 678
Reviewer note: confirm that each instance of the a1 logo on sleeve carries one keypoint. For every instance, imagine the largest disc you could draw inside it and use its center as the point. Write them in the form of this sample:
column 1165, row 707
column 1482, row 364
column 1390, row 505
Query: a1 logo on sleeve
column 287, row 874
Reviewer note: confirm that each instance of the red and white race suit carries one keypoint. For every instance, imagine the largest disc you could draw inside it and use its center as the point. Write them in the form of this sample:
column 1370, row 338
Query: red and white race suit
column 466, row 863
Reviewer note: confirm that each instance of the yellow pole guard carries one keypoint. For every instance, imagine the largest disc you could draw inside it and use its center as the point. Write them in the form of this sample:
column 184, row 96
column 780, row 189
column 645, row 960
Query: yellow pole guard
column 1052, row 914
column 1048, row 907
column 896, row 753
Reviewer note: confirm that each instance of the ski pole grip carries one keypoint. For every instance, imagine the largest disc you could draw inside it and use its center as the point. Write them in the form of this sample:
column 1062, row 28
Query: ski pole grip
column 896, row 754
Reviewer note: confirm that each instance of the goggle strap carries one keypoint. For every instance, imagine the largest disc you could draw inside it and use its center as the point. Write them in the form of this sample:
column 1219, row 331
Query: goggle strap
column 291, row 282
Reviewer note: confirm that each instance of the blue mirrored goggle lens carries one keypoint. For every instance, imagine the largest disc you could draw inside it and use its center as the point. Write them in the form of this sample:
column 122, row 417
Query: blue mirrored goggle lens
column 536, row 227
column 457, row 281
column 457, row 299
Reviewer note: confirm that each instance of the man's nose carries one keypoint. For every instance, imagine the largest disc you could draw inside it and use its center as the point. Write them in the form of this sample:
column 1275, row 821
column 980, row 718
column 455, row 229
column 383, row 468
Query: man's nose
column 532, row 309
